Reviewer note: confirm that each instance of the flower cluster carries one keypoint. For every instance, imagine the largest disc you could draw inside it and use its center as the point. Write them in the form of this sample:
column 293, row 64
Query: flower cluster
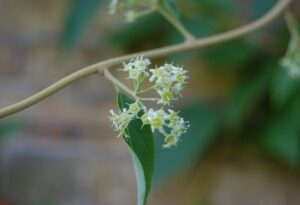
column 291, row 61
column 122, row 119
column 168, row 80
column 133, row 9
column 137, row 68
column 162, row 121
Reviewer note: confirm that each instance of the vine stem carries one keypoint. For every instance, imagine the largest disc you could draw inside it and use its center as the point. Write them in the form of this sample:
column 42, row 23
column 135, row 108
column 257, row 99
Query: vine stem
column 159, row 52
column 186, row 34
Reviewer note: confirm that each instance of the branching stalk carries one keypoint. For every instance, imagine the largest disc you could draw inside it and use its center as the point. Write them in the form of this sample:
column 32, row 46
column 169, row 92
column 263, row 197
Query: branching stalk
column 146, row 89
column 159, row 52
column 119, row 84
column 123, row 87
column 291, row 24
column 186, row 34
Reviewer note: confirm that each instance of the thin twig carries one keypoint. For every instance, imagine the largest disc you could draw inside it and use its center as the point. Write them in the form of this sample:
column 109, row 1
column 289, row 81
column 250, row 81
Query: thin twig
column 119, row 84
column 159, row 52
column 186, row 34
column 291, row 24
column 148, row 99
column 146, row 89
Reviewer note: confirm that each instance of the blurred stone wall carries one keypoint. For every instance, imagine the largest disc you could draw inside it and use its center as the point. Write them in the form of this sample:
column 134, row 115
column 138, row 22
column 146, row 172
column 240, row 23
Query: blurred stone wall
column 65, row 151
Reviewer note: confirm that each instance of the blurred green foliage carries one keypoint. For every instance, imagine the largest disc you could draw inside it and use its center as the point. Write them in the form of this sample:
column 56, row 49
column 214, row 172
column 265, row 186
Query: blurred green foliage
column 204, row 125
column 78, row 18
column 262, row 107
column 8, row 127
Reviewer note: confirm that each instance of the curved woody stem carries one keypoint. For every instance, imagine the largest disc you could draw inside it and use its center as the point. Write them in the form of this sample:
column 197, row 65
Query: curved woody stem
column 99, row 68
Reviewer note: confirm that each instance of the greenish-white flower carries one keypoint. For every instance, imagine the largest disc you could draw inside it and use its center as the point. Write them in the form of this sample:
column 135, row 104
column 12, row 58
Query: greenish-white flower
column 166, row 96
column 134, row 108
column 121, row 120
column 291, row 61
column 154, row 119
column 170, row 141
column 178, row 127
column 168, row 124
column 157, row 74
column 136, row 67
column 169, row 80
column 177, row 88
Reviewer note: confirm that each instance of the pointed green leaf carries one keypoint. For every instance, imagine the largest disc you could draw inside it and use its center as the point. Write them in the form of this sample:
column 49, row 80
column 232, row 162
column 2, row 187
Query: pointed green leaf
column 282, row 88
column 142, row 150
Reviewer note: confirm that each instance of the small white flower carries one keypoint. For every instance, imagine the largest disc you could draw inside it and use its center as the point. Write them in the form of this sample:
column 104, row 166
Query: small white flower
column 166, row 97
column 178, row 127
column 157, row 74
column 134, row 74
column 115, row 118
column 134, row 108
column 156, row 119
column 180, row 74
column 120, row 121
column 161, row 113
column 136, row 67
column 165, row 82
column 169, row 80
column 177, row 88
column 173, row 117
column 141, row 63
column 128, row 66
column 291, row 61
column 145, row 119
column 125, row 117
column 170, row 141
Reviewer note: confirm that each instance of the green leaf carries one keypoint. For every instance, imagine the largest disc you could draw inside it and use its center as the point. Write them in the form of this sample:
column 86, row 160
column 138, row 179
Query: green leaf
column 245, row 97
column 280, row 136
column 142, row 150
column 282, row 87
column 123, row 37
column 80, row 14
column 229, row 56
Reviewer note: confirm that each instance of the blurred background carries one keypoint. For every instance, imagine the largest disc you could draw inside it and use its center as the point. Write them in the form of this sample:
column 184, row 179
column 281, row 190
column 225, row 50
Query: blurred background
column 243, row 146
